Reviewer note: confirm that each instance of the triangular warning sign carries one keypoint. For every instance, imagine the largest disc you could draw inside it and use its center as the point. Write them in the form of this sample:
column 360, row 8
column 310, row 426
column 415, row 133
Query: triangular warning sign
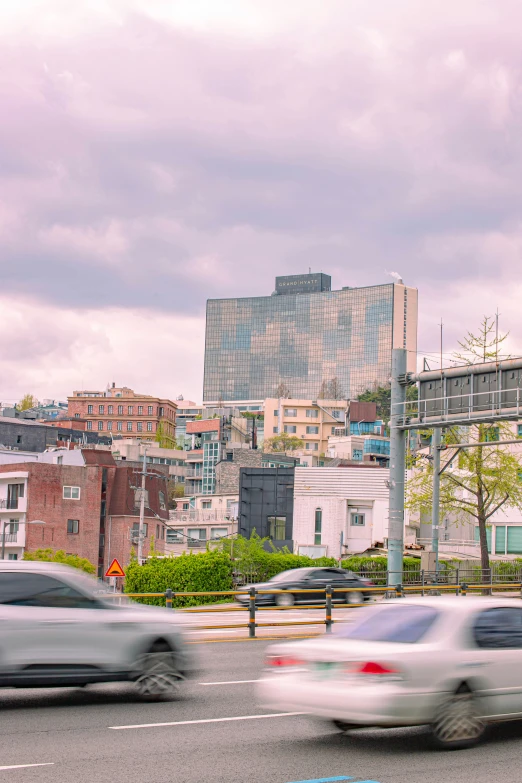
column 115, row 569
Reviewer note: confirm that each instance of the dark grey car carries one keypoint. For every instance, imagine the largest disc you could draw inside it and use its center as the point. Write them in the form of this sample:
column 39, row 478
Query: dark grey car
column 309, row 579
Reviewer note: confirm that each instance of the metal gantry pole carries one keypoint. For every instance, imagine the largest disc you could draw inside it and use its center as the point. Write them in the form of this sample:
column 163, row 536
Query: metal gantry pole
column 397, row 467
column 141, row 530
column 435, row 453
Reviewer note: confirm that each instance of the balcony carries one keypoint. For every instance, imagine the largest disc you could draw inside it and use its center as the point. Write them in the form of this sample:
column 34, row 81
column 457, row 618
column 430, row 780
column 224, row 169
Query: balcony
column 8, row 538
column 6, row 505
column 202, row 515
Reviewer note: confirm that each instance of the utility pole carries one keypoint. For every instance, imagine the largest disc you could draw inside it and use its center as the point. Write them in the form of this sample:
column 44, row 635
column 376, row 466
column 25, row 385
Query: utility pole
column 397, row 466
column 435, row 453
column 141, row 531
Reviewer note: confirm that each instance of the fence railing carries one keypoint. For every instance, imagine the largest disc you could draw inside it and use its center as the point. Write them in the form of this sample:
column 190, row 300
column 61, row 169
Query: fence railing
column 330, row 594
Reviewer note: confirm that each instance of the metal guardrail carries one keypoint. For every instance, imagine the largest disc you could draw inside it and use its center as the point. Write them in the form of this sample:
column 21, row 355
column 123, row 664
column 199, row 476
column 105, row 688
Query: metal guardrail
column 398, row 591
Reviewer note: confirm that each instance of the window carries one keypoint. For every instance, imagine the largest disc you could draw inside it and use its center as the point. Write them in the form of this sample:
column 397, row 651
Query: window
column 161, row 496
column 498, row 628
column 149, row 426
column 100, row 425
column 150, row 410
column 174, row 536
column 290, row 411
column 90, row 409
column 12, row 528
column 109, row 425
column 312, row 447
column 276, row 413
column 357, row 455
column 402, row 624
column 277, row 528
column 130, row 410
column 161, row 411
column 14, row 493
column 290, row 428
column 139, row 426
column 206, row 504
column 218, row 532
column 129, row 426
column 89, row 425
column 275, row 429
column 312, row 414
column 357, row 520
column 110, row 409
column 71, row 493
column 101, row 409
column 488, row 536
column 18, row 438
column 230, row 456
column 140, row 410
column 136, row 529
column 120, row 410
column 318, row 526
column 119, row 425
column 73, row 527
column 76, row 415
column 333, row 430
column 196, row 536
column 12, row 556
column 26, row 589
column 59, row 460
column 312, row 430
column 186, row 506
column 336, row 414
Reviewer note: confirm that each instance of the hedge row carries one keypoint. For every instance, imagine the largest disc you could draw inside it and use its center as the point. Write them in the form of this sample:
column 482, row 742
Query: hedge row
column 213, row 570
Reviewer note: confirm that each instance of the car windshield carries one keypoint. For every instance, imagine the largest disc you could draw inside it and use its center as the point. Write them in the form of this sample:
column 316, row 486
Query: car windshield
column 402, row 624
column 293, row 573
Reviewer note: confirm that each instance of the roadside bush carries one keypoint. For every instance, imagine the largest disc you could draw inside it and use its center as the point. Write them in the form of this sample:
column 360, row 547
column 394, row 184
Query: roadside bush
column 49, row 556
column 187, row 573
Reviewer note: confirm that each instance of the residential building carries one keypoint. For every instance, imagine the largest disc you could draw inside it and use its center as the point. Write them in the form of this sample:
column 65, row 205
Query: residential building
column 186, row 410
column 341, row 511
column 313, row 421
column 27, row 435
column 233, row 459
column 209, row 437
column 121, row 412
column 266, row 504
column 304, row 337
column 132, row 449
column 198, row 521
column 360, row 448
column 89, row 505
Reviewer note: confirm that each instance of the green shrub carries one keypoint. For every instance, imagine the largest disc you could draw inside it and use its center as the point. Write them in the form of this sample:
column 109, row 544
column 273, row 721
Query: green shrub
column 49, row 556
column 187, row 573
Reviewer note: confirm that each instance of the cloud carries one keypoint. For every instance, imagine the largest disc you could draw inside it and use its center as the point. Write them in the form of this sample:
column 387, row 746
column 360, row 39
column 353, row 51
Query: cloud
column 154, row 154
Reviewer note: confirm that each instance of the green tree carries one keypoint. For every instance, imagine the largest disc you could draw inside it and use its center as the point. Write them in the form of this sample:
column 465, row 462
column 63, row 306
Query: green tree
column 50, row 556
column 487, row 477
column 382, row 396
column 283, row 442
column 164, row 440
column 28, row 401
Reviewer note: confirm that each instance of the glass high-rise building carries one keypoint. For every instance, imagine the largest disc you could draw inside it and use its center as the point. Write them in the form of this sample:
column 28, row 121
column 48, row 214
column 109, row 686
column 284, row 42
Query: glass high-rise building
column 297, row 341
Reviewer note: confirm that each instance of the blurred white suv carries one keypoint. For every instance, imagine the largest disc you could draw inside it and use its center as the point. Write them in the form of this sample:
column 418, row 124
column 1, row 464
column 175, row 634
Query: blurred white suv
column 60, row 627
column 453, row 663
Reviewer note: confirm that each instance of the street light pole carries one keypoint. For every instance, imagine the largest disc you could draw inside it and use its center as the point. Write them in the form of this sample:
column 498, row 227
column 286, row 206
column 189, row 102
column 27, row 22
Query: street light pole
column 141, row 529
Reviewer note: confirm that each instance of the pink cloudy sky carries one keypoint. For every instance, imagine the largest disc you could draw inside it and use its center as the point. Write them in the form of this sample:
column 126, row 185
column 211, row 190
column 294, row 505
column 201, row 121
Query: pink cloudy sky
column 154, row 154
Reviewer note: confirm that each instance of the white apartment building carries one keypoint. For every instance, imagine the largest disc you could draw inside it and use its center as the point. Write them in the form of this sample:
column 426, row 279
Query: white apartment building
column 13, row 508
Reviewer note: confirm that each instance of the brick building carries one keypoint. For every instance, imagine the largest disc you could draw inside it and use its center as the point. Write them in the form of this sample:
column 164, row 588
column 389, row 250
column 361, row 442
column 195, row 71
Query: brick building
column 88, row 502
column 122, row 412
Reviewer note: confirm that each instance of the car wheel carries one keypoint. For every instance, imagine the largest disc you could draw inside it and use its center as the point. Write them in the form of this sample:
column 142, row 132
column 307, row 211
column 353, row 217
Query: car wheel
column 285, row 599
column 343, row 725
column 354, row 598
column 158, row 674
column 458, row 722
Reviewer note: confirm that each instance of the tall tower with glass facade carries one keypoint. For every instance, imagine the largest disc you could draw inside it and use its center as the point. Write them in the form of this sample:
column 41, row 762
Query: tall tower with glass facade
column 305, row 336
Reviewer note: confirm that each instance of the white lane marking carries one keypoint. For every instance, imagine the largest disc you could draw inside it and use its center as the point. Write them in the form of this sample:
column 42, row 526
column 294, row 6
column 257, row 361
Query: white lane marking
column 207, row 720
column 228, row 682
column 23, row 766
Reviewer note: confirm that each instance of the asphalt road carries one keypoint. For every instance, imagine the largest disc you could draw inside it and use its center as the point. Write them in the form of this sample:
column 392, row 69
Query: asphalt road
column 84, row 736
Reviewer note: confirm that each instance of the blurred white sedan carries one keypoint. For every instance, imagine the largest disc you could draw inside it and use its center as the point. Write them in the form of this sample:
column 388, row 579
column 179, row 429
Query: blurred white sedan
column 453, row 663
